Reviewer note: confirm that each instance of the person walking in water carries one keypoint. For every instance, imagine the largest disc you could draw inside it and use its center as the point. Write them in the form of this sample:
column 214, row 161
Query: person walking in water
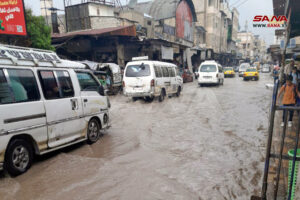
column 289, row 91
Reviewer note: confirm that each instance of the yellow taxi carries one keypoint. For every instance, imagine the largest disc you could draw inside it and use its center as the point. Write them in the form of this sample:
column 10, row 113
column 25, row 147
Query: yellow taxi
column 251, row 74
column 229, row 72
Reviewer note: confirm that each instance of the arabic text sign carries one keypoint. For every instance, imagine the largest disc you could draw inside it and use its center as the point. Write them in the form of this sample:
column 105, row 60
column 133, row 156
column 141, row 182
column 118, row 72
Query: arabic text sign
column 12, row 17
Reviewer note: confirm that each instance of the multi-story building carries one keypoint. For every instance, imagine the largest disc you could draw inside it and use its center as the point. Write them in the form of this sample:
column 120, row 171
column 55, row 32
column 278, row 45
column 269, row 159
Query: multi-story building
column 246, row 45
column 202, row 29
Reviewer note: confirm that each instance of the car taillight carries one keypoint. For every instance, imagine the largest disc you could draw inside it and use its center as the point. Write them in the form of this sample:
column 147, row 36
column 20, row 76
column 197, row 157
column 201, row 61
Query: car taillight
column 152, row 83
column 217, row 75
column 123, row 83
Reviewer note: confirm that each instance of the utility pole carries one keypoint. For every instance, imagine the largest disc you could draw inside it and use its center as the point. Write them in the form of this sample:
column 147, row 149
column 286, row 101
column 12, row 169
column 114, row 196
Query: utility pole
column 246, row 28
column 45, row 8
column 66, row 18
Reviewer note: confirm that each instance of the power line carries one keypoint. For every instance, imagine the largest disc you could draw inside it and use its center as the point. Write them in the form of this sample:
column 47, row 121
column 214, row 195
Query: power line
column 241, row 3
column 235, row 3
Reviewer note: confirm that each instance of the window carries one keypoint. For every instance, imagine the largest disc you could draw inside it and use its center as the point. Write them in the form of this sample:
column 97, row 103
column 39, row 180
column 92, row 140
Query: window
column 220, row 69
column 49, row 85
column 158, row 72
column 138, row 70
column 171, row 72
column 21, row 86
column 5, row 92
column 149, row 23
column 210, row 2
column 208, row 68
column 165, row 71
column 65, row 84
column 87, row 82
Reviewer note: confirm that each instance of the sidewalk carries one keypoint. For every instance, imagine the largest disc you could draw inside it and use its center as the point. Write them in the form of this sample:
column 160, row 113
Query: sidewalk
column 290, row 141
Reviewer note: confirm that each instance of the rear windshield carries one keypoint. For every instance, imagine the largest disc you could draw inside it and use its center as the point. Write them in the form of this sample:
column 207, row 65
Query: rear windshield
column 228, row 69
column 244, row 66
column 137, row 70
column 208, row 68
column 251, row 70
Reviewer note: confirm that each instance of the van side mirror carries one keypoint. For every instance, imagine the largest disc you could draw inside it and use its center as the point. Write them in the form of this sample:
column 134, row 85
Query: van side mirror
column 101, row 90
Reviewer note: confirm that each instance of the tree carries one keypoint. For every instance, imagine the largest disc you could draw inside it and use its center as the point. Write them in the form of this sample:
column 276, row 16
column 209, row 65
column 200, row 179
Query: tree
column 38, row 34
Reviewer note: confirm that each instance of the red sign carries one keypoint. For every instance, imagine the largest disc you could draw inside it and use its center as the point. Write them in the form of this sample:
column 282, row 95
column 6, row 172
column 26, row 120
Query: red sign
column 12, row 17
column 260, row 18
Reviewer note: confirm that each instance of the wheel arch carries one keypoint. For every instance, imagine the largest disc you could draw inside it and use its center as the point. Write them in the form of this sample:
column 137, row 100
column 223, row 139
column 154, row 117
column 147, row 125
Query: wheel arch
column 97, row 119
column 28, row 138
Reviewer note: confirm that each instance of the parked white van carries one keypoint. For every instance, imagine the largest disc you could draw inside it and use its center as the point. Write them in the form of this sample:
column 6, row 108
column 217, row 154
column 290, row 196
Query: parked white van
column 149, row 79
column 46, row 103
column 210, row 72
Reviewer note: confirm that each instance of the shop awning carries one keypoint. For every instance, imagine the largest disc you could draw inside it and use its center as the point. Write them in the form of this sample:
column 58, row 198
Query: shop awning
column 115, row 31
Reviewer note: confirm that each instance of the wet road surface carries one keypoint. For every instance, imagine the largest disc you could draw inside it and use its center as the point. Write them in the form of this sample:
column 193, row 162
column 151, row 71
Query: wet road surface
column 207, row 144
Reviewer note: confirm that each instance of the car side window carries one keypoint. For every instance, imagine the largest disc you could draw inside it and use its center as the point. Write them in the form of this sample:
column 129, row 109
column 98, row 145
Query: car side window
column 157, row 70
column 165, row 71
column 220, row 69
column 21, row 86
column 6, row 95
column 65, row 84
column 49, row 84
column 87, row 81
column 171, row 71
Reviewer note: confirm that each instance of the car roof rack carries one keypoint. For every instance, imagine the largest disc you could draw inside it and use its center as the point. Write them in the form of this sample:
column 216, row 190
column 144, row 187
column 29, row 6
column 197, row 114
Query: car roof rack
column 22, row 56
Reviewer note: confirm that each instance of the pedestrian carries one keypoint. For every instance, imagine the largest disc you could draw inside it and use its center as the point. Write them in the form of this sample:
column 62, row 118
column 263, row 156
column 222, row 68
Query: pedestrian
column 295, row 76
column 289, row 91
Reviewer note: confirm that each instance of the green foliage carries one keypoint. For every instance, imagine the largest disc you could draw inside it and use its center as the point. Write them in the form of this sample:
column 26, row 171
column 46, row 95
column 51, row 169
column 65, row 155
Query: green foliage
column 39, row 34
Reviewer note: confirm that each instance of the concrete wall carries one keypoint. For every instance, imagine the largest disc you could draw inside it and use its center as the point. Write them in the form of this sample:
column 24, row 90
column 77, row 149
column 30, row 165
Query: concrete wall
column 108, row 22
column 100, row 10
column 78, row 17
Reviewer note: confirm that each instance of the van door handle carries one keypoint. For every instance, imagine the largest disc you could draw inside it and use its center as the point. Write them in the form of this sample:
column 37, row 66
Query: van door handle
column 85, row 100
column 74, row 104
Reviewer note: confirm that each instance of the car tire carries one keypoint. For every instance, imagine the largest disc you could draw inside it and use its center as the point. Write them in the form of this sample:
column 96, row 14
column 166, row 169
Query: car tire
column 134, row 99
column 178, row 91
column 18, row 157
column 149, row 99
column 93, row 131
column 161, row 97
column 200, row 85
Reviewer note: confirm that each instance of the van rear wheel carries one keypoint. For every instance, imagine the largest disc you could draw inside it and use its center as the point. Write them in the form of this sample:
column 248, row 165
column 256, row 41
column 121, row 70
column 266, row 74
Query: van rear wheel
column 161, row 97
column 93, row 131
column 178, row 91
column 18, row 158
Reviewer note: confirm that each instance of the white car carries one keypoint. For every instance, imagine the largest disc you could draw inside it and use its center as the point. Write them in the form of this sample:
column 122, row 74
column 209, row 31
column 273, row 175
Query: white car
column 46, row 103
column 265, row 68
column 210, row 72
column 242, row 69
column 149, row 79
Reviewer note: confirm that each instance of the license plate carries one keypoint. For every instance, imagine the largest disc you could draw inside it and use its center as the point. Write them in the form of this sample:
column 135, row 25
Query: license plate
column 207, row 77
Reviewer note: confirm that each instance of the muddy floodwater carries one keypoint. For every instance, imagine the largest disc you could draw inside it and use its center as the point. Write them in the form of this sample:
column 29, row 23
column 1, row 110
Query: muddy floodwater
column 207, row 144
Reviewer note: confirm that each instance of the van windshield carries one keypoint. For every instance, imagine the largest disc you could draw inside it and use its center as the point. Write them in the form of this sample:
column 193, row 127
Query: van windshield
column 208, row 68
column 137, row 70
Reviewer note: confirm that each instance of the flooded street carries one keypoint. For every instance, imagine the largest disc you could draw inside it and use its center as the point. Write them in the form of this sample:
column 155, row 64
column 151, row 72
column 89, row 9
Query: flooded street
column 207, row 144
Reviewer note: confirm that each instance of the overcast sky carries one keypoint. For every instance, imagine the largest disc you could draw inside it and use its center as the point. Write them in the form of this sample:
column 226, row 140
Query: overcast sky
column 247, row 9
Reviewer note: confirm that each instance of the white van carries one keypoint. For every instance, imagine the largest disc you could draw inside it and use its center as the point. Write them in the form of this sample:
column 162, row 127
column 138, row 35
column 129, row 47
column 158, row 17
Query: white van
column 243, row 68
column 45, row 104
column 210, row 72
column 149, row 79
